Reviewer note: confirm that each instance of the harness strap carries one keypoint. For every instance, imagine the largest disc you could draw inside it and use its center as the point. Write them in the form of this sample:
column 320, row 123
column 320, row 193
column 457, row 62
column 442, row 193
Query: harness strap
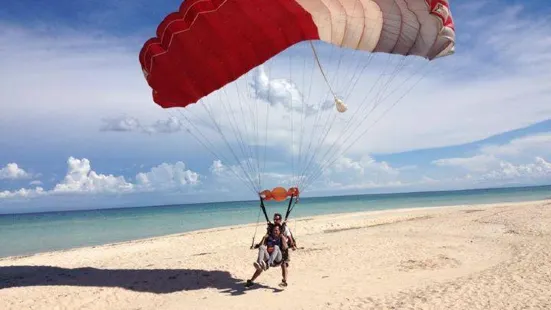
column 290, row 207
column 263, row 207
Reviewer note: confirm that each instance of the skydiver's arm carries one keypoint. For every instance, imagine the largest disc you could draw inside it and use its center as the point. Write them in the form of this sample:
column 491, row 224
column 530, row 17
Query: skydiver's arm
column 294, row 247
column 284, row 242
column 261, row 242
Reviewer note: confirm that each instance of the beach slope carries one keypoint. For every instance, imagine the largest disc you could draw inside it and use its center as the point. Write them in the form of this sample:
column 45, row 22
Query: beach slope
column 466, row 257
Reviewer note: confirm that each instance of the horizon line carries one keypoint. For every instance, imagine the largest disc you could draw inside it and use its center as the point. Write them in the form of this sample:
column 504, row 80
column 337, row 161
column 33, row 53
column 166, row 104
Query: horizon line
column 307, row 198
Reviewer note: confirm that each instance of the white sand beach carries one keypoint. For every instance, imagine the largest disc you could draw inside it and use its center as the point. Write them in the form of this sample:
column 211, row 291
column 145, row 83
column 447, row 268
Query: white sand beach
column 465, row 257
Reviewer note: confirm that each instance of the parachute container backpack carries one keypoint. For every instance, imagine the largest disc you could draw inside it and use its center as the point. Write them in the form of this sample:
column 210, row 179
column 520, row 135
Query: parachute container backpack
column 279, row 90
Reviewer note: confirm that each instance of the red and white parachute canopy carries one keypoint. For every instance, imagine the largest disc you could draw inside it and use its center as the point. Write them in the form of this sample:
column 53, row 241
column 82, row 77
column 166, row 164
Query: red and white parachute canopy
column 209, row 45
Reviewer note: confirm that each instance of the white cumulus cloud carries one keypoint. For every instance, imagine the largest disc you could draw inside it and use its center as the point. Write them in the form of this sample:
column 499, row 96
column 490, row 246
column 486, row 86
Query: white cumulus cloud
column 491, row 157
column 167, row 176
column 23, row 192
column 522, row 160
column 126, row 123
column 217, row 167
column 478, row 163
column 538, row 170
column 120, row 124
column 170, row 125
column 82, row 179
column 524, row 147
column 12, row 171
column 283, row 92
column 346, row 173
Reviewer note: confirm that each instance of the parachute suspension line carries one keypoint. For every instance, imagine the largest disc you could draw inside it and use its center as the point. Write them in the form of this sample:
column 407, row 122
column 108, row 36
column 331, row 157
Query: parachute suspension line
column 312, row 131
column 317, row 118
column 393, row 75
column 334, row 150
column 245, row 166
column 326, row 130
column 208, row 148
column 301, row 136
column 302, row 158
column 263, row 209
column 327, row 125
column 256, row 228
column 245, row 148
column 267, row 119
column 290, row 208
column 247, row 175
column 251, row 151
column 350, row 87
column 358, row 114
column 318, row 111
column 322, row 139
column 247, row 152
column 257, row 137
column 316, row 57
column 366, row 130
column 292, row 108
column 295, row 168
column 408, row 78
column 254, row 123
column 380, row 99
column 362, row 107
column 341, row 107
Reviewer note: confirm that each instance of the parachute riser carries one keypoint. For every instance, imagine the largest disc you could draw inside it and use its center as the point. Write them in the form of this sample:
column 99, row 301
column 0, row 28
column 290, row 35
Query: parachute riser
column 292, row 202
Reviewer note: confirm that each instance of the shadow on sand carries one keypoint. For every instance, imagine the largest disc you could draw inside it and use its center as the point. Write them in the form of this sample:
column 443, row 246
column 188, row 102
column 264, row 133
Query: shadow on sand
column 158, row 281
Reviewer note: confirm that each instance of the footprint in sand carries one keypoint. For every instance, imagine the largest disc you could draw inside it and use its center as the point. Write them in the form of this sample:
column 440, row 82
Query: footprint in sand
column 439, row 262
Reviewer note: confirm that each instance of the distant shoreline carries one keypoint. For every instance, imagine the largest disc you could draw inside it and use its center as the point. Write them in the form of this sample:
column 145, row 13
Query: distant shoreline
column 26, row 234
column 261, row 225
column 304, row 198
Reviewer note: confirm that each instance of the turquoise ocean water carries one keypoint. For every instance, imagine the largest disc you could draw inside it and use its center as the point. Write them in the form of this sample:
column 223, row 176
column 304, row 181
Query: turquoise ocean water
column 24, row 234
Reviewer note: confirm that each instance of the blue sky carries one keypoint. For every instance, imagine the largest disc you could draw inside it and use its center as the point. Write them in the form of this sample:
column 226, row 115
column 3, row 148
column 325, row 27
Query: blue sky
column 73, row 95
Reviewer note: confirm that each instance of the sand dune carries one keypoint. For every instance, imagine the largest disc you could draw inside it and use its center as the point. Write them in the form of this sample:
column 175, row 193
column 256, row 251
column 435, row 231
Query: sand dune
column 466, row 257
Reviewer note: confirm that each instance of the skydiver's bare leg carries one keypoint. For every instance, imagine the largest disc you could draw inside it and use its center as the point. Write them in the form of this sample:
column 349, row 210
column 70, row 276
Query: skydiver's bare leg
column 255, row 275
column 284, row 274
